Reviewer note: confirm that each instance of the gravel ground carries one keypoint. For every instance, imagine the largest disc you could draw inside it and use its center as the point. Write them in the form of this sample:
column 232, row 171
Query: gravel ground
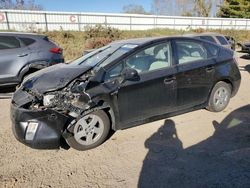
column 197, row 149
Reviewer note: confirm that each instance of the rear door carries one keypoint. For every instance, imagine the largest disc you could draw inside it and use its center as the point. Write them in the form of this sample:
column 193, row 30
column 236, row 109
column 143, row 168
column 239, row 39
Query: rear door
column 13, row 57
column 195, row 67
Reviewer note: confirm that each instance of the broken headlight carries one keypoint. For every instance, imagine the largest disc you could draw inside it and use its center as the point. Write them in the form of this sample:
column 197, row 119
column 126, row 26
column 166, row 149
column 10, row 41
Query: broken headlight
column 47, row 100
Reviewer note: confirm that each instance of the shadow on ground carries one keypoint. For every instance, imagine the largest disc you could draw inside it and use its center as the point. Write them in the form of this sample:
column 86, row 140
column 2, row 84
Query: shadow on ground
column 220, row 161
column 245, row 68
column 6, row 92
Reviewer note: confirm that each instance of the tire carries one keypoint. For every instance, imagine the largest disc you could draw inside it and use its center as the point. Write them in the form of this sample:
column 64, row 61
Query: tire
column 90, row 131
column 220, row 97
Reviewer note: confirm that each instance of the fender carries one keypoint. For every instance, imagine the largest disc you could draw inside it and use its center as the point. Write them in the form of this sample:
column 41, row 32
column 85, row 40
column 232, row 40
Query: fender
column 100, row 104
column 68, row 131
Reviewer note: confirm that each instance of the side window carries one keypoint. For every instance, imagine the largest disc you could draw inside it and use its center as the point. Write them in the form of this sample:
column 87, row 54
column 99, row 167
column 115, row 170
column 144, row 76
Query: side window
column 189, row 51
column 152, row 58
column 149, row 59
column 212, row 49
column 115, row 71
column 8, row 42
column 222, row 40
column 27, row 41
column 208, row 38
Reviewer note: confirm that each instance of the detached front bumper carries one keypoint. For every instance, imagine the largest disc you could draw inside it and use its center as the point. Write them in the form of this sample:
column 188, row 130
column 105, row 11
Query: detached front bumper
column 45, row 131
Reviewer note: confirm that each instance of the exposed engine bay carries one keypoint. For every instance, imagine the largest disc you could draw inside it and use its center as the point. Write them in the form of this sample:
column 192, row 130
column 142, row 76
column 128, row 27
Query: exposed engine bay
column 71, row 100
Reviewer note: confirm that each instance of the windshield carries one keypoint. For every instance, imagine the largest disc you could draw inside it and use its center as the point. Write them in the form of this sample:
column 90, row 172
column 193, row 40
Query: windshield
column 104, row 55
column 89, row 56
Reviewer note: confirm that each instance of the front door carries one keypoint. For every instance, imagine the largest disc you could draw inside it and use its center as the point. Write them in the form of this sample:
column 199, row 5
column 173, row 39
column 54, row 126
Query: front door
column 154, row 93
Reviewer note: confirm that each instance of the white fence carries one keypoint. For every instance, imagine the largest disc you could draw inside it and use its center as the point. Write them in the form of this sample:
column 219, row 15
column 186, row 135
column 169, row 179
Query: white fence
column 49, row 21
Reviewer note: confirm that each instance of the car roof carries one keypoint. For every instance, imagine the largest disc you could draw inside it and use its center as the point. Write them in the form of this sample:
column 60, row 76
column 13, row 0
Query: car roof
column 22, row 34
column 204, row 34
column 138, row 41
column 141, row 41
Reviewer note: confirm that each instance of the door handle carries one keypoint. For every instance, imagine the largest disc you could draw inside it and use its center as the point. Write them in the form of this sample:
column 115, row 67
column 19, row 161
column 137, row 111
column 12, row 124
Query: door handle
column 22, row 55
column 210, row 68
column 169, row 80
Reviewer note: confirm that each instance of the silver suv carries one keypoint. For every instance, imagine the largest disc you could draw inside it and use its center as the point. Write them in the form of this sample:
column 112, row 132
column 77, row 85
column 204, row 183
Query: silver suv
column 213, row 37
column 23, row 53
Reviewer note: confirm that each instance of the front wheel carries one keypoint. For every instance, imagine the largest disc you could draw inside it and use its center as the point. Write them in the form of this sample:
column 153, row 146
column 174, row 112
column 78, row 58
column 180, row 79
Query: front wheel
column 220, row 97
column 90, row 131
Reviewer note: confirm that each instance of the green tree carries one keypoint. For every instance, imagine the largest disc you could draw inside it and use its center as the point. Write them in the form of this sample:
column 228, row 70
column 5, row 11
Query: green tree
column 134, row 9
column 235, row 9
column 20, row 5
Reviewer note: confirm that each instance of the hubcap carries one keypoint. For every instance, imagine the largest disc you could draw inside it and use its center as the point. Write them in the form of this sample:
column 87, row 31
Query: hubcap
column 221, row 97
column 88, row 129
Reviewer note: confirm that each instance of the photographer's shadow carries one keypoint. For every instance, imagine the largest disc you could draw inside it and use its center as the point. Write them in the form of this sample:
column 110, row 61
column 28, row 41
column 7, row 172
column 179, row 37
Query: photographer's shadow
column 222, row 160
column 164, row 147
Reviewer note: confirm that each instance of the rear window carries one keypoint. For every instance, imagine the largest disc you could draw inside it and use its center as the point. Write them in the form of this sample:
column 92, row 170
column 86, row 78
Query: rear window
column 27, row 41
column 8, row 42
column 208, row 38
column 222, row 40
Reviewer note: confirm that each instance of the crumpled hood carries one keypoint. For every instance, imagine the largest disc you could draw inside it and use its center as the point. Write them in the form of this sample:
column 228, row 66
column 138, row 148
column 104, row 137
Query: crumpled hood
column 54, row 77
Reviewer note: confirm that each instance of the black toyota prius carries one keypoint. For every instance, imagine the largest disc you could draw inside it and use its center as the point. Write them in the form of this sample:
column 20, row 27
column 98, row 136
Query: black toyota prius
column 121, row 85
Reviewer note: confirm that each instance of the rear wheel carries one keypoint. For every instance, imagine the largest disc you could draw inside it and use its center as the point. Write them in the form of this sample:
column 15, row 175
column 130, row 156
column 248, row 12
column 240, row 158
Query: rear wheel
column 220, row 97
column 90, row 131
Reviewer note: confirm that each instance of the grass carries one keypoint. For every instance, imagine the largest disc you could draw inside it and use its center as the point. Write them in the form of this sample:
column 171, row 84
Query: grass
column 73, row 42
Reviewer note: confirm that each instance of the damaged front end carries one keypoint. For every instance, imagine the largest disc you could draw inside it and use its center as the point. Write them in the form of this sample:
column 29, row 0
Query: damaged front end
column 43, row 119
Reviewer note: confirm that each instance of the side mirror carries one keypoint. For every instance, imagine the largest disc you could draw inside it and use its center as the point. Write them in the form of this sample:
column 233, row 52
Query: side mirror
column 130, row 74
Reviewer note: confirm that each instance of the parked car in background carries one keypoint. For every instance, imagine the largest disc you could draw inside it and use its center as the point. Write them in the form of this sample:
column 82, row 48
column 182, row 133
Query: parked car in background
column 85, row 52
column 22, row 54
column 245, row 47
column 213, row 37
column 121, row 85
column 231, row 41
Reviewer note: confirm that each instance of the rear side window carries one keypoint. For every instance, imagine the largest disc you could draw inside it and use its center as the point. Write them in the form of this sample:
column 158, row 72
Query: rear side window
column 222, row 40
column 213, row 50
column 208, row 38
column 190, row 51
column 27, row 41
column 8, row 42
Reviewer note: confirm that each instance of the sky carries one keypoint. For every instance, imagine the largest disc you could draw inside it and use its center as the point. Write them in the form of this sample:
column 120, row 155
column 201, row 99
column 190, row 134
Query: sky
column 105, row 6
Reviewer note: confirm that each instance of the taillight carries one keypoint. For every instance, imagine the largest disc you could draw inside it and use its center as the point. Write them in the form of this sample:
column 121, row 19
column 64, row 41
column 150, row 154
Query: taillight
column 56, row 50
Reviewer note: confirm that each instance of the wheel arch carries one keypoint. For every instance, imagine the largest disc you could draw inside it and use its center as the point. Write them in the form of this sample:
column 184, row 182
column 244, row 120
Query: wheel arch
column 210, row 101
column 226, row 80
column 107, row 108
